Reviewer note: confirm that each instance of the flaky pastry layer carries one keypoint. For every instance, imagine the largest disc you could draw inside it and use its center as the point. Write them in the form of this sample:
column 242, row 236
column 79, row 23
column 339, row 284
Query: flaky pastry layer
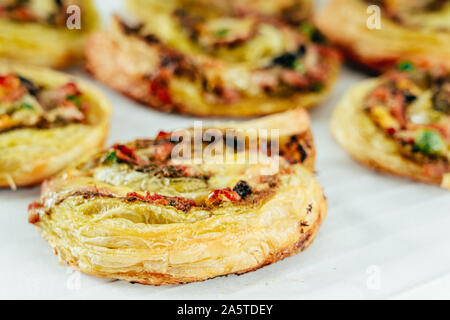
column 106, row 226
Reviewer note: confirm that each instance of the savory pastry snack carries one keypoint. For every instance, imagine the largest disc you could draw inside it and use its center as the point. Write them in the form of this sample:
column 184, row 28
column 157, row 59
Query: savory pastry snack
column 202, row 60
column 37, row 32
column 417, row 30
column 145, row 212
column 47, row 120
column 399, row 123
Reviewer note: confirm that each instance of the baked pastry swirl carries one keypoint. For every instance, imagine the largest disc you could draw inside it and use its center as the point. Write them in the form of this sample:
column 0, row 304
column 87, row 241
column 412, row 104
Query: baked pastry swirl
column 47, row 120
column 36, row 31
column 210, row 61
column 399, row 123
column 414, row 30
column 137, row 213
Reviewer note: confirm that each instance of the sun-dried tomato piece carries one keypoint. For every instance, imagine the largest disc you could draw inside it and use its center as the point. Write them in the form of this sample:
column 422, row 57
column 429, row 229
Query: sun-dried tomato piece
column 33, row 209
column 163, row 151
column 222, row 195
column 178, row 203
column 70, row 89
column 134, row 195
column 398, row 109
column 129, row 155
column 162, row 135
column 160, row 89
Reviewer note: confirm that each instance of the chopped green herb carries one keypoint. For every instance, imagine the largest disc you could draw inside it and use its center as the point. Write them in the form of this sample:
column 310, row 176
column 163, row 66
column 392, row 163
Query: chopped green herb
column 75, row 100
column 221, row 32
column 285, row 60
column 299, row 67
column 26, row 106
column 405, row 66
column 111, row 158
column 308, row 29
column 430, row 142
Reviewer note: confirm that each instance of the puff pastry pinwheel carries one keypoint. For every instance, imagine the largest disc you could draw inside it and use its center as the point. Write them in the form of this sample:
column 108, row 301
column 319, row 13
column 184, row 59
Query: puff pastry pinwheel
column 204, row 61
column 134, row 212
column 399, row 123
column 47, row 120
column 414, row 30
column 45, row 32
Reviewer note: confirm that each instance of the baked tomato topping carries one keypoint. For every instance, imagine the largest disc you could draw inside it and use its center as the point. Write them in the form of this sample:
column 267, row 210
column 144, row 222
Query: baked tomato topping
column 129, row 155
column 217, row 197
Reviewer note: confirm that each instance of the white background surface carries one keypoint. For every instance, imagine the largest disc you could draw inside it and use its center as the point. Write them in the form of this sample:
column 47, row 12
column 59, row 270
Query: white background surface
column 384, row 237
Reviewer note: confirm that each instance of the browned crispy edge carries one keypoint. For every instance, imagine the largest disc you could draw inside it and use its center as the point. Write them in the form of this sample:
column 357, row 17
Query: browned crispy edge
column 375, row 165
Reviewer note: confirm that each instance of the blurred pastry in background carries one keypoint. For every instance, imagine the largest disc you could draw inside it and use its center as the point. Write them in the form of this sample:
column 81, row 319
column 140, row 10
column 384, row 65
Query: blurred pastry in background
column 399, row 123
column 45, row 32
column 417, row 30
column 204, row 60
column 47, row 120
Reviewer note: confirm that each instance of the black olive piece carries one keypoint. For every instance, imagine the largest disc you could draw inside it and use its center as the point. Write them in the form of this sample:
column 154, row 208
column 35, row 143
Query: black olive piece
column 286, row 60
column 301, row 51
column 409, row 98
column 151, row 39
column 243, row 189
column 317, row 37
column 31, row 87
column 303, row 153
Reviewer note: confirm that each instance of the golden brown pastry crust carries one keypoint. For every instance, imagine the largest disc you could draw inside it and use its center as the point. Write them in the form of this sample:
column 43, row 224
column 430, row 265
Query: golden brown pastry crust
column 124, row 240
column 38, row 44
column 28, row 156
column 125, row 63
column 365, row 142
column 344, row 22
